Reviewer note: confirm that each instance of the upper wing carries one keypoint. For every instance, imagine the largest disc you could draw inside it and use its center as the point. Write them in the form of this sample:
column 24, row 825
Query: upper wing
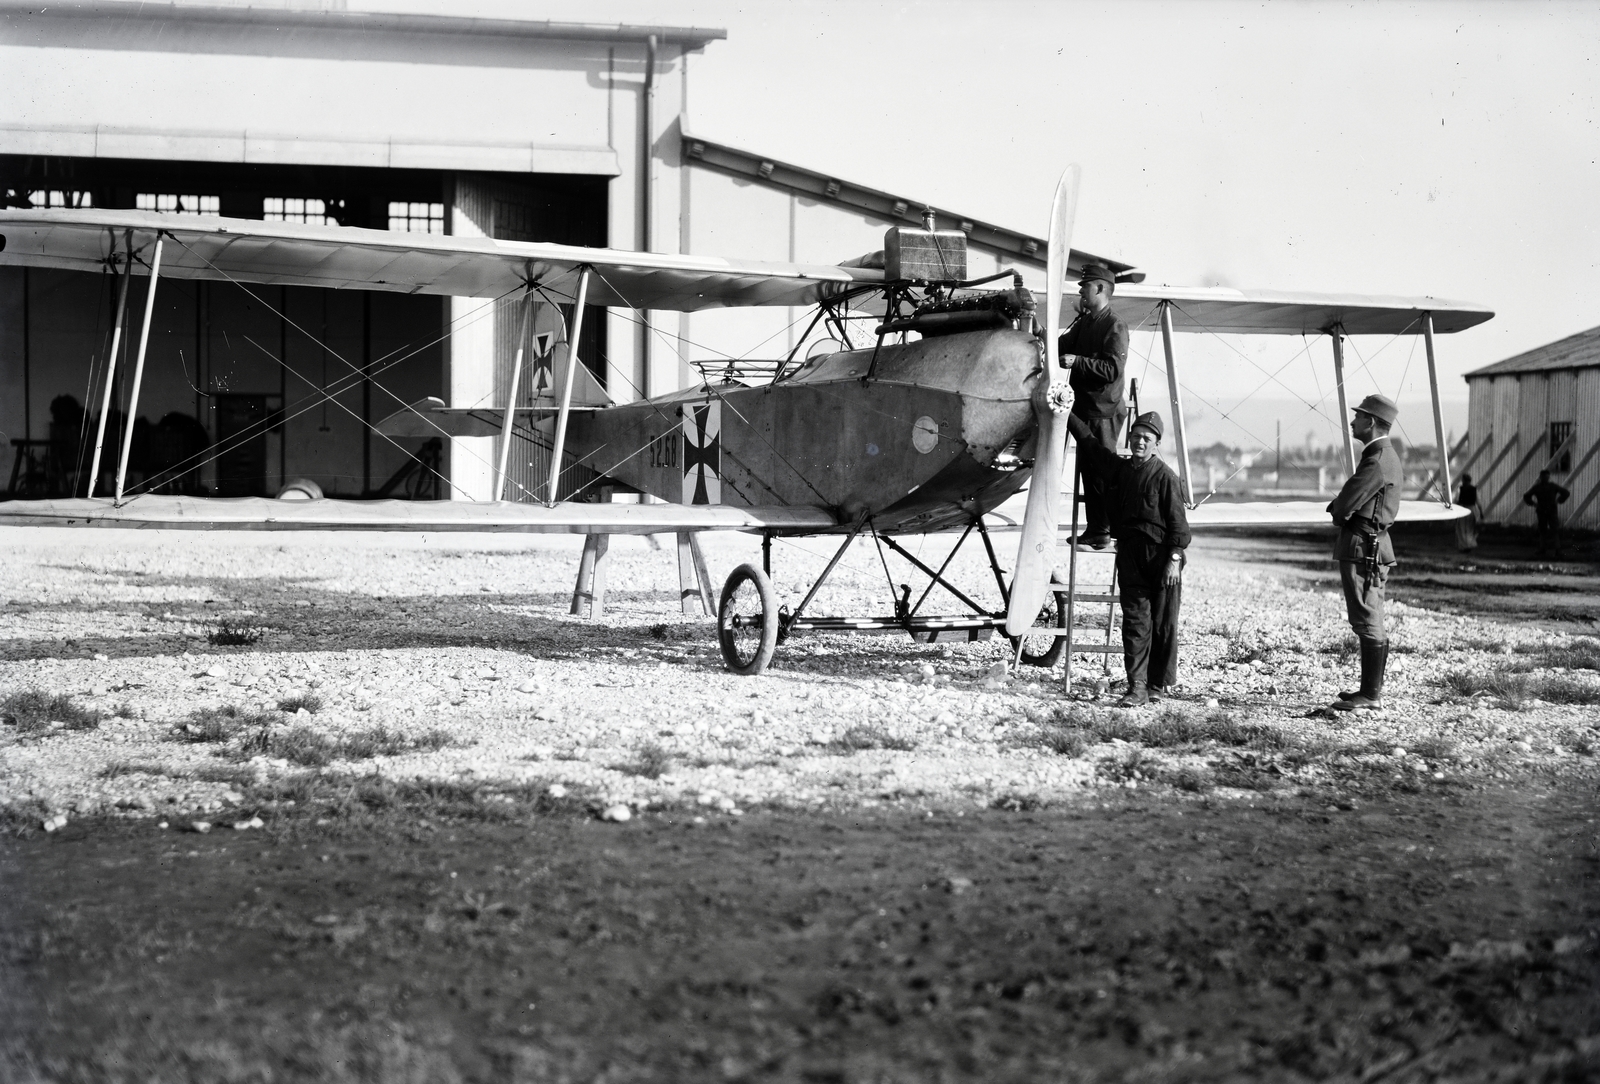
column 158, row 512
column 1268, row 312
column 291, row 254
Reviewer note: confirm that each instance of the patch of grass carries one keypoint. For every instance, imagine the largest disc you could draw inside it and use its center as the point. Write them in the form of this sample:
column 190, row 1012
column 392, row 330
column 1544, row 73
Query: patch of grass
column 1128, row 765
column 1583, row 742
column 1346, row 648
column 1064, row 741
column 329, row 798
column 1194, row 780
column 217, row 724
column 665, row 631
column 119, row 768
column 859, row 738
column 1434, row 747
column 23, row 818
column 309, row 701
column 1560, row 689
column 1580, row 654
column 217, row 773
column 651, row 761
column 231, row 633
column 32, row 711
column 311, row 748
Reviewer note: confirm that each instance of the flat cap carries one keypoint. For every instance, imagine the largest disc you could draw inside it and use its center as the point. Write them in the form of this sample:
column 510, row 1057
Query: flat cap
column 1098, row 271
column 1380, row 407
column 1149, row 420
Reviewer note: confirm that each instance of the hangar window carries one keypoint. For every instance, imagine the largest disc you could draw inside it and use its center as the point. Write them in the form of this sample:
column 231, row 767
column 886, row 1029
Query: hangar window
column 1561, row 434
column 416, row 217
column 178, row 204
column 55, row 198
column 315, row 211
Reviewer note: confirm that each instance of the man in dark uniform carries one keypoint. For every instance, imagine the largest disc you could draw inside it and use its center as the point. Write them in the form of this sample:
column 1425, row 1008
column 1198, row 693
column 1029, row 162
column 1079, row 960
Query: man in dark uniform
column 1546, row 496
column 1363, row 511
column 1145, row 504
column 1095, row 348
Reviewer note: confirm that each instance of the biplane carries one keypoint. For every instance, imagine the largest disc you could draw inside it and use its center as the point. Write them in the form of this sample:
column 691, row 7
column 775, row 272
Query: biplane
column 937, row 421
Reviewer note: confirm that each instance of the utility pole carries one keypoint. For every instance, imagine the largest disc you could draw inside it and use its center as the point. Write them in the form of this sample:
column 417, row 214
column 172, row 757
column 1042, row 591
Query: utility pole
column 1278, row 484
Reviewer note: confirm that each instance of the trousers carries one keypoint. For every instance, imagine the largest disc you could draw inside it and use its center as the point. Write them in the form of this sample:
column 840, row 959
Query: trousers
column 1364, row 584
column 1149, row 614
column 1096, row 514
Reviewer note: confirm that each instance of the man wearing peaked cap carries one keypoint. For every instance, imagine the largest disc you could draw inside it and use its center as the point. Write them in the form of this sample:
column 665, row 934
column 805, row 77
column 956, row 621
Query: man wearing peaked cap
column 1095, row 348
column 1146, row 511
column 1363, row 511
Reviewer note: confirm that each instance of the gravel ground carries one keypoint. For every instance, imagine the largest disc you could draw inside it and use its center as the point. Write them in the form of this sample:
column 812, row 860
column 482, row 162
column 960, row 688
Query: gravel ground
column 461, row 650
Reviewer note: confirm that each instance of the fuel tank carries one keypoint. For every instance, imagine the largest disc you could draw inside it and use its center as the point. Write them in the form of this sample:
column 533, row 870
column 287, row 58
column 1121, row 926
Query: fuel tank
column 913, row 444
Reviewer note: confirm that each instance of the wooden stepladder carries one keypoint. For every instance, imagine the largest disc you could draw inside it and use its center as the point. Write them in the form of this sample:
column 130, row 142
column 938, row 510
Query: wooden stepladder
column 1069, row 596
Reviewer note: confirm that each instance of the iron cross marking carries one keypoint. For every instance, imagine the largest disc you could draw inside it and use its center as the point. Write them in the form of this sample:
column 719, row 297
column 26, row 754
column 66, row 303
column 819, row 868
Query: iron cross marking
column 700, row 455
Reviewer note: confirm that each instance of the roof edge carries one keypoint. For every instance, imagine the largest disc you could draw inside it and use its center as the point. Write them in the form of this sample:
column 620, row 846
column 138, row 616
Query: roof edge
column 368, row 21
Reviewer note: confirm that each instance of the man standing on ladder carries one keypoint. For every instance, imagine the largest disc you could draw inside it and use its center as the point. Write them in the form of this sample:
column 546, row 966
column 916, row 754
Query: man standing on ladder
column 1145, row 503
column 1095, row 348
column 1363, row 511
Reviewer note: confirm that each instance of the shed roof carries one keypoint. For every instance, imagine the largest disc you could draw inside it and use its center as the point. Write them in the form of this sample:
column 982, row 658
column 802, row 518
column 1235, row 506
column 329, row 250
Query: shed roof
column 1580, row 351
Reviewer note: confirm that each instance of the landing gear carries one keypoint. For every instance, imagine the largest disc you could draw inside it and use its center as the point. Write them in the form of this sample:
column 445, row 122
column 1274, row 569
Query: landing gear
column 1044, row 648
column 747, row 621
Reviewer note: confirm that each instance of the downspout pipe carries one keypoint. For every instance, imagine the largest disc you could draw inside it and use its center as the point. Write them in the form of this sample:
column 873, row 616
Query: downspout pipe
column 647, row 196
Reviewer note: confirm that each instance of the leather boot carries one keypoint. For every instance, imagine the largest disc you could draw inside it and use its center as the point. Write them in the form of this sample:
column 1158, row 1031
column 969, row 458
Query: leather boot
column 1138, row 695
column 1374, row 664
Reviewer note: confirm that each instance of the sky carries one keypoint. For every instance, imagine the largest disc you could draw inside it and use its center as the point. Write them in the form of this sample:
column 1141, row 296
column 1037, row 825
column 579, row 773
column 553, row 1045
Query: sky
column 1445, row 149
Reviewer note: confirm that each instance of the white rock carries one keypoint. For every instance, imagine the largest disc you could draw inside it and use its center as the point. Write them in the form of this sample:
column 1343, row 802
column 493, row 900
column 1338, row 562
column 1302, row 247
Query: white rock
column 717, row 731
column 217, row 672
column 727, row 805
column 556, row 790
column 529, row 686
column 927, row 671
column 756, row 718
column 997, row 672
column 820, row 735
column 201, row 826
column 1212, row 702
column 486, row 673
column 102, row 658
column 619, row 812
column 99, row 690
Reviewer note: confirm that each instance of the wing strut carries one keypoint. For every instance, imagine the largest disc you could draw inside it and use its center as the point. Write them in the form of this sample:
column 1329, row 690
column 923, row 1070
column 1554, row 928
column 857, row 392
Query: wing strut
column 1337, row 335
column 1438, row 413
column 566, row 392
column 111, row 362
column 1178, row 433
column 511, row 400
column 138, row 365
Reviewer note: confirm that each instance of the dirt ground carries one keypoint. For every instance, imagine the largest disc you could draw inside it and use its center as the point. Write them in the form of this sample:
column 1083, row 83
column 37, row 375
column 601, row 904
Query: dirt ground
column 843, row 871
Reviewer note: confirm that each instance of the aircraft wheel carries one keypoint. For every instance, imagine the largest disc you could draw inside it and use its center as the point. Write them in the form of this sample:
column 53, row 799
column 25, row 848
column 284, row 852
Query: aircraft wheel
column 747, row 620
column 1039, row 650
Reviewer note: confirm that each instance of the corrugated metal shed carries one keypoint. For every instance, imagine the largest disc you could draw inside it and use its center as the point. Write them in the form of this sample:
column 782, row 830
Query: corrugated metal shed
column 1580, row 351
column 1520, row 411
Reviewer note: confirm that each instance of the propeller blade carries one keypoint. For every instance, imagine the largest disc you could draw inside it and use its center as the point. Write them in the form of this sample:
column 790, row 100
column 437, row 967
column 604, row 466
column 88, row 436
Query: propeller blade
column 1036, row 551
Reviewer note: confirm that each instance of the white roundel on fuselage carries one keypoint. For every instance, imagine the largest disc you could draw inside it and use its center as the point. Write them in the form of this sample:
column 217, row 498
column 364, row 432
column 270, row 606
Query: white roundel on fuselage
column 925, row 435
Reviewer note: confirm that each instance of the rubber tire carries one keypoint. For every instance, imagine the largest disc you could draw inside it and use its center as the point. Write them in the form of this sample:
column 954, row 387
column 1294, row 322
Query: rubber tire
column 300, row 489
column 755, row 663
column 1058, row 644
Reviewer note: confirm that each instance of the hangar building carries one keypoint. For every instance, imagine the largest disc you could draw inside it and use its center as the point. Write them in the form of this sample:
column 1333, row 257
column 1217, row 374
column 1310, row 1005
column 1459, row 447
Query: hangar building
column 513, row 129
column 1539, row 410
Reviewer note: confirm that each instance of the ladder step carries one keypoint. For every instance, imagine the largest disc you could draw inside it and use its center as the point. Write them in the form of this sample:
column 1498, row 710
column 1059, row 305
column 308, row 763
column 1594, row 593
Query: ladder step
column 1079, row 596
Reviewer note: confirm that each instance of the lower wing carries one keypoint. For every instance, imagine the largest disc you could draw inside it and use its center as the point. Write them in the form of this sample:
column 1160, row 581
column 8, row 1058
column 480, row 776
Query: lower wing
column 161, row 512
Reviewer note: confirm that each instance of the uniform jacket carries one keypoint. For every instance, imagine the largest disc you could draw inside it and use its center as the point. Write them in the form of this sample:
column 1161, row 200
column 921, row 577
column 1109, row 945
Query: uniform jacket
column 1101, row 343
column 1145, row 500
column 1367, row 505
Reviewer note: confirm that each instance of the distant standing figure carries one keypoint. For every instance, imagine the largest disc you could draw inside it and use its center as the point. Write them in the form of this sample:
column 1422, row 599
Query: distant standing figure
column 1363, row 511
column 1467, row 525
column 1545, row 497
column 1145, row 505
column 1095, row 348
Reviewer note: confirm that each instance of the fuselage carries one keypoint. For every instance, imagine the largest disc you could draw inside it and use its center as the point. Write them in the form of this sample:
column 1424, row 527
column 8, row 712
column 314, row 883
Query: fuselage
column 915, row 443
